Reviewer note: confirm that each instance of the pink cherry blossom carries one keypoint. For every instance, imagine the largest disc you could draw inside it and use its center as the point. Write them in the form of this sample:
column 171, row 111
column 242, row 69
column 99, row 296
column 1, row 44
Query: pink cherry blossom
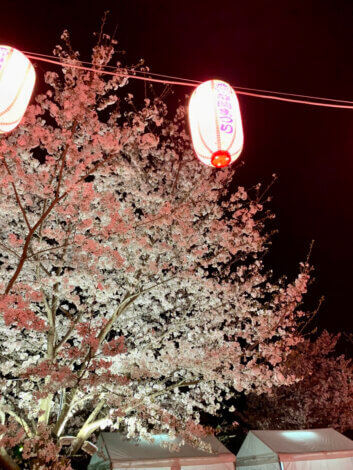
column 134, row 294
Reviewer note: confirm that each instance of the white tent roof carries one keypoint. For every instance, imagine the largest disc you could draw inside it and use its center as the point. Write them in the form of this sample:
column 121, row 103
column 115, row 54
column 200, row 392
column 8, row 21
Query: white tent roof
column 305, row 450
column 121, row 453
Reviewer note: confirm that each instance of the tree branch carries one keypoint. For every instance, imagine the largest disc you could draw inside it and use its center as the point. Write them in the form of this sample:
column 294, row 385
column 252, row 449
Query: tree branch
column 16, row 195
column 6, row 248
column 63, row 158
column 88, row 427
column 128, row 300
column 68, row 334
column 47, row 249
column 21, row 421
column 101, row 423
column 60, row 424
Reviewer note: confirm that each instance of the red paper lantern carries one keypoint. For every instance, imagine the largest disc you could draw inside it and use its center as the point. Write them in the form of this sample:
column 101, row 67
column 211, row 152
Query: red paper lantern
column 215, row 123
column 17, row 79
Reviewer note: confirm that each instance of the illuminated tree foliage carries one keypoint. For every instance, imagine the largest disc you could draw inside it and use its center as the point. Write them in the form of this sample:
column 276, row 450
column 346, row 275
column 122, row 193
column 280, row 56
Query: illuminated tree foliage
column 134, row 295
column 323, row 397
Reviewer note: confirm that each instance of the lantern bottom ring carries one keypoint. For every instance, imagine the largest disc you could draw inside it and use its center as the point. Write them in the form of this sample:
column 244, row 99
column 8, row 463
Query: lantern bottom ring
column 221, row 158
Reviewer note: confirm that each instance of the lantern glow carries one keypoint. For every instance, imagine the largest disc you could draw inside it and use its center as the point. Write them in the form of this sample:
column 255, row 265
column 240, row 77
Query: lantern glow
column 17, row 78
column 215, row 123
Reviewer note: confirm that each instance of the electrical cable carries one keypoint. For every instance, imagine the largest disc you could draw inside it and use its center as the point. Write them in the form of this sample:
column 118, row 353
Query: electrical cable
column 197, row 82
column 294, row 98
column 131, row 69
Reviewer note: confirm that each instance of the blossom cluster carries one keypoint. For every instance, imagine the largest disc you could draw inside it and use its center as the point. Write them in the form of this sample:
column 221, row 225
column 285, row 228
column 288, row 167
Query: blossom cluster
column 134, row 291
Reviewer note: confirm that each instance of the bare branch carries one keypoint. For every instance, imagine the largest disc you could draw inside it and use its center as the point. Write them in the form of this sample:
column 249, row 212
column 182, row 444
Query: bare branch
column 47, row 249
column 9, row 250
column 16, row 195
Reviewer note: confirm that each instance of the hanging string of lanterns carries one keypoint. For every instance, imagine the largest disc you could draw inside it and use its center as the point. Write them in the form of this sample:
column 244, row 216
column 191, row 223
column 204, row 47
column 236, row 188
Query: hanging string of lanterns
column 214, row 114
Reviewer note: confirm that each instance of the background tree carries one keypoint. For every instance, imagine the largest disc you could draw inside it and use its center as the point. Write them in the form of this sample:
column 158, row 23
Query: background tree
column 134, row 292
column 322, row 397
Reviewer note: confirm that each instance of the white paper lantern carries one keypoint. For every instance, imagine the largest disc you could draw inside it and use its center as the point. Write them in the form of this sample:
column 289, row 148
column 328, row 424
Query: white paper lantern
column 17, row 77
column 215, row 123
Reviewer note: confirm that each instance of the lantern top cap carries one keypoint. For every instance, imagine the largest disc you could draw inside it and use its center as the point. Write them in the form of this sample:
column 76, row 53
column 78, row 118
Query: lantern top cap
column 216, row 80
column 9, row 48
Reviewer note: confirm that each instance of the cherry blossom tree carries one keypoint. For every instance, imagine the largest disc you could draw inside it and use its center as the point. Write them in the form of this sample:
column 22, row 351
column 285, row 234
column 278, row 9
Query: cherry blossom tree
column 322, row 397
column 134, row 295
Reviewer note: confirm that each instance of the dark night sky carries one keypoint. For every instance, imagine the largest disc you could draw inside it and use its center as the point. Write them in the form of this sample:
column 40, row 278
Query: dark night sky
column 299, row 46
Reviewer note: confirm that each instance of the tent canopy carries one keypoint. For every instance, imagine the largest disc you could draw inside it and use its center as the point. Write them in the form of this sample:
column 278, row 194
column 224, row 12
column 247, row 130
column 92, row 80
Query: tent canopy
column 117, row 452
column 324, row 449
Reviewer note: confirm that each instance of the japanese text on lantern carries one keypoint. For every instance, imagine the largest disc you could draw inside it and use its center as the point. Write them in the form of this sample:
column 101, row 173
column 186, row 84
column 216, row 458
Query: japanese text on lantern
column 224, row 108
column 3, row 53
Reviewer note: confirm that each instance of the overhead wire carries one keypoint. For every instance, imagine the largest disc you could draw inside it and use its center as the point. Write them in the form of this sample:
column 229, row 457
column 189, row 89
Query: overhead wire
column 197, row 82
column 170, row 80
column 112, row 67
